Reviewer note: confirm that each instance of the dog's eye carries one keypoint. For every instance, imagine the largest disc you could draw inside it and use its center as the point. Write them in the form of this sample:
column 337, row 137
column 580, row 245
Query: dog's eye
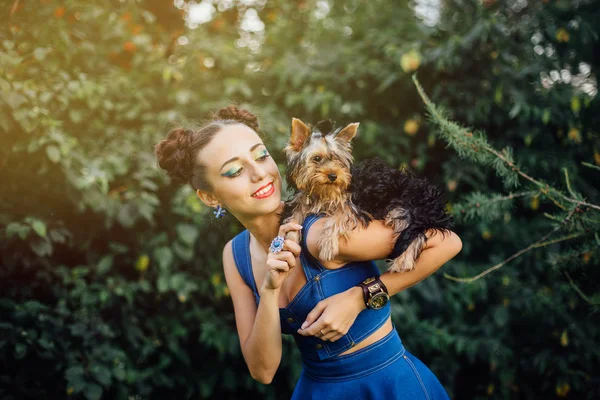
column 317, row 158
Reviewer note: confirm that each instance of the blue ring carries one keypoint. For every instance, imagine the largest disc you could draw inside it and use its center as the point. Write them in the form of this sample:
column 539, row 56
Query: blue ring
column 277, row 245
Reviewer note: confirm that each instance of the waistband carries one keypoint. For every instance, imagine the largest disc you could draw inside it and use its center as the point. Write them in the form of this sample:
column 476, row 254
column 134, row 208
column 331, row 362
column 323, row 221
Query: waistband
column 365, row 361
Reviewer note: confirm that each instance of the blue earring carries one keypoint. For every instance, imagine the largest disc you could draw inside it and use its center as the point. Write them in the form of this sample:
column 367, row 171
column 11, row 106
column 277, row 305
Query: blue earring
column 219, row 212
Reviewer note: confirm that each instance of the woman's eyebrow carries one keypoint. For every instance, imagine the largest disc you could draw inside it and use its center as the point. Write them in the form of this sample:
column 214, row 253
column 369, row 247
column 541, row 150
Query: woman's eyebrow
column 236, row 158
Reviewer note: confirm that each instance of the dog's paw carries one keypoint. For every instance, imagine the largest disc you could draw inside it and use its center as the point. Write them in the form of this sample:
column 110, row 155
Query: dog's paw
column 402, row 264
column 294, row 236
column 407, row 260
column 328, row 247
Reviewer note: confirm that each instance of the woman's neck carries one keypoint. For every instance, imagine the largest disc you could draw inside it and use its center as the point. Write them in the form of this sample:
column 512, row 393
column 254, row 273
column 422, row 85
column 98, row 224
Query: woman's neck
column 264, row 228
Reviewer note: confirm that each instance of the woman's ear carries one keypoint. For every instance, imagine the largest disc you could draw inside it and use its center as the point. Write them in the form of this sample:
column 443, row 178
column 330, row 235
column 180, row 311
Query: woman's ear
column 207, row 198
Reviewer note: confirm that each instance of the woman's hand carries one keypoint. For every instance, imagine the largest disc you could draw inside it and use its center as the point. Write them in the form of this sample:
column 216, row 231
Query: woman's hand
column 332, row 317
column 279, row 265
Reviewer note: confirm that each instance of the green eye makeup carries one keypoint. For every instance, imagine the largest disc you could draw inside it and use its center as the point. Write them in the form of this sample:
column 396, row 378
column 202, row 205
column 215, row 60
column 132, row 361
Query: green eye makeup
column 263, row 153
column 232, row 171
column 235, row 169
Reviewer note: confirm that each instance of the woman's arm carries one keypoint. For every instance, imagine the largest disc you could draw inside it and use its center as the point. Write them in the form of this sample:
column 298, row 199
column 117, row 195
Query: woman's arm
column 259, row 328
column 376, row 242
column 439, row 249
column 337, row 313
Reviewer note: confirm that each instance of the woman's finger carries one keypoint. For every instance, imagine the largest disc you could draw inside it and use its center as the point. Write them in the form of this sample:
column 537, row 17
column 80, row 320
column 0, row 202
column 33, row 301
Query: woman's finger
column 329, row 335
column 292, row 246
column 278, row 265
column 335, row 338
column 307, row 329
column 287, row 257
column 287, row 227
column 322, row 333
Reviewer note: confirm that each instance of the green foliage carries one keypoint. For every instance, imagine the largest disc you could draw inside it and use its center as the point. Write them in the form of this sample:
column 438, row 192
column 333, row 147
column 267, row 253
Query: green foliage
column 111, row 281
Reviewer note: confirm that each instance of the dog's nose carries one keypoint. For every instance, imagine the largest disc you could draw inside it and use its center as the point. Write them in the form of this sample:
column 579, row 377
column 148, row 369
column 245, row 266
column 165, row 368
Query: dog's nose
column 332, row 177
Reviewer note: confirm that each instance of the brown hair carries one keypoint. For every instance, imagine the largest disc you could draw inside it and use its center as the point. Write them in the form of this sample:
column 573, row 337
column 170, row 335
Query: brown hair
column 177, row 153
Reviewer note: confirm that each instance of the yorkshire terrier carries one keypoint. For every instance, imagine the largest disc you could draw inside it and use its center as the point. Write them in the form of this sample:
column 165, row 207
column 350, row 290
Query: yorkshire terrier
column 321, row 173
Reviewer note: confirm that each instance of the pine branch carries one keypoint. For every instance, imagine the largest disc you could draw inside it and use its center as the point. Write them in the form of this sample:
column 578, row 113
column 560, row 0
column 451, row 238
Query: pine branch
column 571, row 258
column 590, row 165
column 478, row 205
column 561, row 239
column 568, row 182
column 580, row 292
column 476, row 147
column 517, row 254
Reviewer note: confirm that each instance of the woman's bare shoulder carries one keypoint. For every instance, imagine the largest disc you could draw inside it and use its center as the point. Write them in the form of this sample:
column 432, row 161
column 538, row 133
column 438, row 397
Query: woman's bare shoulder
column 232, row 274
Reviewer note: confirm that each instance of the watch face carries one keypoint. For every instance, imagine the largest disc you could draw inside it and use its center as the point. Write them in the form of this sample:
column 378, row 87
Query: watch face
column 379, row 301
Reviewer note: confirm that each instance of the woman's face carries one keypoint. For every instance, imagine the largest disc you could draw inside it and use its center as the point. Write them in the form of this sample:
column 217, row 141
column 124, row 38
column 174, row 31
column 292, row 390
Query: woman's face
column 243, row 176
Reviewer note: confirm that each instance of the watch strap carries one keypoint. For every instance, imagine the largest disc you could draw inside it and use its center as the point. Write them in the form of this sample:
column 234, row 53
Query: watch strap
column 367, row 283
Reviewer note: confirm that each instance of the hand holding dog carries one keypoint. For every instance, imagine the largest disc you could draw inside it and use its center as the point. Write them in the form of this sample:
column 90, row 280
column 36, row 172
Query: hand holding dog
column 280, row 264
column 332, row 317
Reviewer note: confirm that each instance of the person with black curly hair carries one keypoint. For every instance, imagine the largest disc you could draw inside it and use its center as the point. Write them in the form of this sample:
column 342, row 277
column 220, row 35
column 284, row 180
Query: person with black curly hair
column 337, row 310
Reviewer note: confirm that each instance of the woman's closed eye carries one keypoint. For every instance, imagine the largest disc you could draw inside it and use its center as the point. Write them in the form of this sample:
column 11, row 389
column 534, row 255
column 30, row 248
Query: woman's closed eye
column 234, row 172
column 263, row 155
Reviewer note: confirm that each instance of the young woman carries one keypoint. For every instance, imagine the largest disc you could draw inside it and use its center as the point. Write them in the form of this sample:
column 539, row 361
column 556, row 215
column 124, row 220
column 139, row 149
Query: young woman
column 348, row 344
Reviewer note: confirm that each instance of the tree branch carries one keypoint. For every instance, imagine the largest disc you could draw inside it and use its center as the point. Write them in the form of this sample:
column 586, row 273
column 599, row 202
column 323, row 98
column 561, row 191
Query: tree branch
column 517, row 254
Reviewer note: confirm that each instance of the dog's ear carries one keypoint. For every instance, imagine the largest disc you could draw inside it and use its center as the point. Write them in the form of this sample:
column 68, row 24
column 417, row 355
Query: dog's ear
column 348, row 132
column 300, row 133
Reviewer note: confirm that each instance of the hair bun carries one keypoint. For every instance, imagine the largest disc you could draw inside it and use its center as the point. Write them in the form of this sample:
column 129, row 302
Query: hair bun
column 173, row 154
column 240, row 115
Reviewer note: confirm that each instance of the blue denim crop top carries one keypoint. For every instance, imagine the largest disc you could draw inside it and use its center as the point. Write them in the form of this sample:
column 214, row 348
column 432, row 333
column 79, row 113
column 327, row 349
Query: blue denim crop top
column 321, row 283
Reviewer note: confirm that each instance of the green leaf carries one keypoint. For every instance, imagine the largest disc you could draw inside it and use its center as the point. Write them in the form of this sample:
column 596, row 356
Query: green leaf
column 15, row 100
column 20, row 350
column 177, row 282
column 162, row 284
column 53, row 154
column 4, row 86
column 78, row 329
column 75, row 372
column 102, row 374
column 58, row 235
column 75, row 115
column 46, row 342
column 164, row 257
column 34, row 307
column 166, row 74
column 42, row 247
column 40, row 53
column 183, row 252
column 119, row 373
column 501, row 316
column 127, row 215
column 105, row 264
column 187, row 233
column 514, row 111
column 75, row 378
column 92, row 391
column 16, row 228
column 39, row 227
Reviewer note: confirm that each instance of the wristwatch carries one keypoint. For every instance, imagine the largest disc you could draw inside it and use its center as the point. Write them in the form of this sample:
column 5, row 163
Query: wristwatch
column 375, row 293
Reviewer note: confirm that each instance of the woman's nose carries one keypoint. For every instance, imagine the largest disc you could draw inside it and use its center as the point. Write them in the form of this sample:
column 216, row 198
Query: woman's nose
column 258, row 173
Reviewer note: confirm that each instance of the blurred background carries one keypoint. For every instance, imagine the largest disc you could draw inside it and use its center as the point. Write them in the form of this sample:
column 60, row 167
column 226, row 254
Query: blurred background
column 111, row 283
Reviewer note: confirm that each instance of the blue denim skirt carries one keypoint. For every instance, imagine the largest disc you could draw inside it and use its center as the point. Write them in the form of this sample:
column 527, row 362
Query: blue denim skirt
column 382, row 370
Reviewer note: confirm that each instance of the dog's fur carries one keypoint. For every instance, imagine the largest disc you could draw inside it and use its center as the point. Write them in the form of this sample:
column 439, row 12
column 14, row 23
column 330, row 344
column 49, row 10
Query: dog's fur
column 325, row 181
